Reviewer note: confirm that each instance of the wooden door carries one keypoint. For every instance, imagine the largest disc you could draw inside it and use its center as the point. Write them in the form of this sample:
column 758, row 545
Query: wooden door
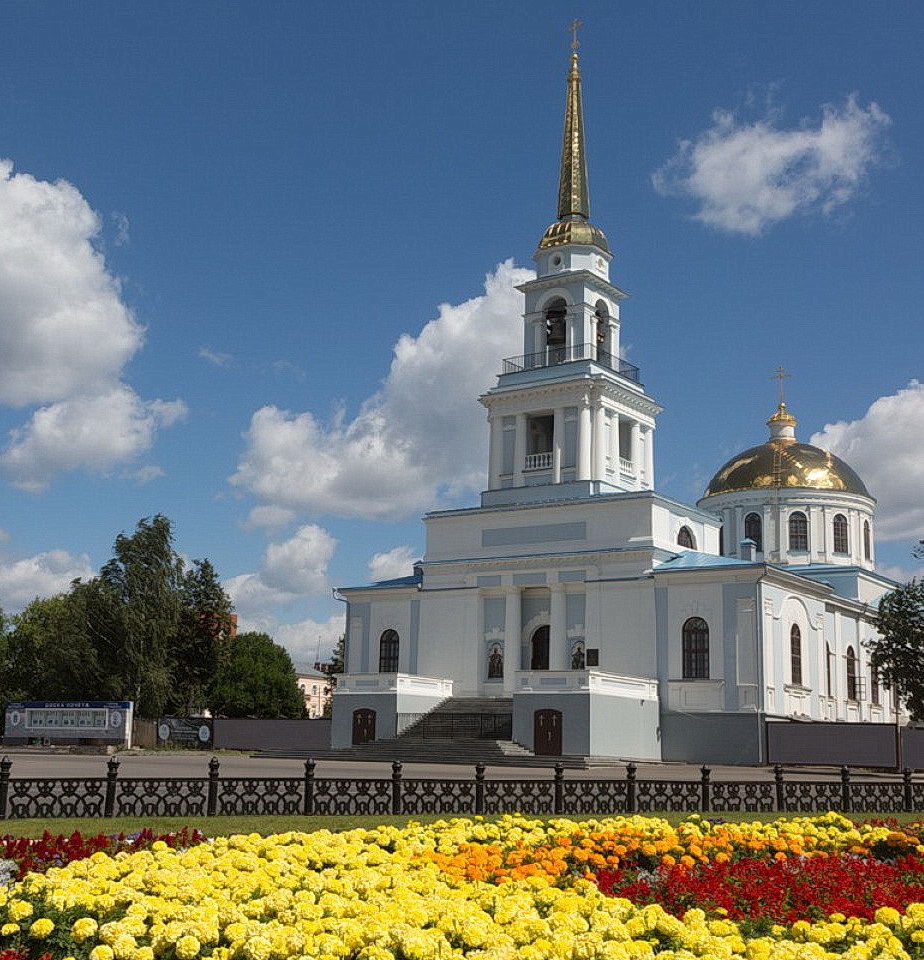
column 363, row 726
column 547, row 725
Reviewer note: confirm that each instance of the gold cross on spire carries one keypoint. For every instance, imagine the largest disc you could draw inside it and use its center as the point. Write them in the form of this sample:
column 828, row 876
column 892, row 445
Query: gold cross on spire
column 575, row 26
column 780, row 375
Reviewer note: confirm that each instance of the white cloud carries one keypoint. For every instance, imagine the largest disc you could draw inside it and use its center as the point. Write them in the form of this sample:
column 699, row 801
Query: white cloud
column 43, row 575
column 290, row 571
column 884, row 447
column 392, row 564
column 269, row 517
column 420, row 438
column 95, row 432
column 65, row 338
column 746, row 177
column 64, row 326
column 216, row 358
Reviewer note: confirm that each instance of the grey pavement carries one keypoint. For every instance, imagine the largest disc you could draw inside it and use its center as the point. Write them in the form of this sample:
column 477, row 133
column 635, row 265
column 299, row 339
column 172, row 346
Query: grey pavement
column 165, row 764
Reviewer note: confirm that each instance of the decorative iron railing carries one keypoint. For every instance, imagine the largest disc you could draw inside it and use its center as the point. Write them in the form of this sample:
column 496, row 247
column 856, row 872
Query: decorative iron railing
column 309, row 795
column 552, row 356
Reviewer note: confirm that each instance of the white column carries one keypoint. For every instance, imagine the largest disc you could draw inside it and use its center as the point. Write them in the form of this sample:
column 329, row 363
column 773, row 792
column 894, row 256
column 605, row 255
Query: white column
column 584, row 441
column 512, row 630
column 735, row 545
column 519, row 450
column 495, row 451
column 615, row 452
column 558, row 641
column 649, row 458
column 636, row 453
column 768, row 534
column 599, row 443
column 558, row 441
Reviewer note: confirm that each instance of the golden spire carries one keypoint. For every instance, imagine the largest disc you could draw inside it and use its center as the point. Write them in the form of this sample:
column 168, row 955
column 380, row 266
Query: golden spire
column 782, row 415
column 573, row 198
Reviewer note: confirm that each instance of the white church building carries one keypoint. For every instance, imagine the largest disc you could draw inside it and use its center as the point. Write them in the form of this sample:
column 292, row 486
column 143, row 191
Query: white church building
column 610, row 620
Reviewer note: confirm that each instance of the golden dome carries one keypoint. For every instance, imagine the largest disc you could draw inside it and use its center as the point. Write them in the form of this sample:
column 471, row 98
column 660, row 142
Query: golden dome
column 574, row 231
column 783, row 463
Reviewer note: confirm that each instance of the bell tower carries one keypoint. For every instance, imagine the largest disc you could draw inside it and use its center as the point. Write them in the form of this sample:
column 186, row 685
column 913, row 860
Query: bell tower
column 570, row 418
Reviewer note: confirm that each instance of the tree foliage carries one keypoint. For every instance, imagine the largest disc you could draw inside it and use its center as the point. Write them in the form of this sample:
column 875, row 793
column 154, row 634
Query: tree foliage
column 145, row 629
column 897, row 654
column 256, row 679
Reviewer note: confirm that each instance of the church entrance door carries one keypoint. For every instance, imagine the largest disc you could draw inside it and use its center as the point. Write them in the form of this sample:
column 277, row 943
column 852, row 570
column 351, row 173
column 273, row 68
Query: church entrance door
column 539, row 645
column 547, row 733
column 363, row 726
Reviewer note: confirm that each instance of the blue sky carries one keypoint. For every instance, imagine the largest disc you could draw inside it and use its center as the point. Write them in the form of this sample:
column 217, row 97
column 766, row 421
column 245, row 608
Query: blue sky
column 255, row 263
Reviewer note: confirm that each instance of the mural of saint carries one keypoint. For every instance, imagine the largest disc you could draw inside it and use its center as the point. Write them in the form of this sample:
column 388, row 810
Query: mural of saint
column 496, row 663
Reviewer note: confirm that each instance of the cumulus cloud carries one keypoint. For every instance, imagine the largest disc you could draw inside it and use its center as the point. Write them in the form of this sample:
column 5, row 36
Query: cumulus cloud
column 884, row 447
column 269, row 517
column 291, row 570
column 392, row 564
column 43, row 575
column 97, row 430
column 65, row 338
column 421, row 438
column 746, row 177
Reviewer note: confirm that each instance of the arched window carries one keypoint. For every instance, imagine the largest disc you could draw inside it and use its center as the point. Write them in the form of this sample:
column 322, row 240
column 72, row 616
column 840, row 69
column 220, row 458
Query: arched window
column 841, row 542
column 867, row 541
column 828, row 688
column 685, row 538
column 798, row 532
column 795, row 654
column 753, row 530
column 873, row 686
column 555, row 329
column 388, row 652
column 696, row 649
column 601, row 325
column 851, row 674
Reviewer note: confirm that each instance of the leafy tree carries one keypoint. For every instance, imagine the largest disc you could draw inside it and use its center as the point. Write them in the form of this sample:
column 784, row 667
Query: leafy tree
column 334, row 666
column 142, row 586
column 897, row 654
column 257, row 679
column 203, row 631
column 50, row 656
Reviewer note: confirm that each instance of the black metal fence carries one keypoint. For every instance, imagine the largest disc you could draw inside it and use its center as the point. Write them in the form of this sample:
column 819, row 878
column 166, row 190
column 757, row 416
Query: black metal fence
column 308, row 795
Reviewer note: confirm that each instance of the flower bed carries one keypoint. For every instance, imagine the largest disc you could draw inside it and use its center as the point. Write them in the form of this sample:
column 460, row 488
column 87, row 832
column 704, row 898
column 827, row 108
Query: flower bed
column 492, row 891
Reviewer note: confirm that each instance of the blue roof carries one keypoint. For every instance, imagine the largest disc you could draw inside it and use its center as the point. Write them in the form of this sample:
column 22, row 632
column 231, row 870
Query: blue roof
column 694, row 560
column 412, row 581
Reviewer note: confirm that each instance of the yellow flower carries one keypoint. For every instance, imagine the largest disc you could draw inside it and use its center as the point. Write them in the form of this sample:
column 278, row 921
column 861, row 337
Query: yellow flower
column 41, row 928
column 187, row 947
column 83, row 929
column 8, row 929
column 102, row 952
column 19, row 910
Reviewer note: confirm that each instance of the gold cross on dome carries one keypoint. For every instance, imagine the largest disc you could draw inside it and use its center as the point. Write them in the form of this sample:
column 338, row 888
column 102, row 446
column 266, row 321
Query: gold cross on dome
column 575, row 25
column 780, row 375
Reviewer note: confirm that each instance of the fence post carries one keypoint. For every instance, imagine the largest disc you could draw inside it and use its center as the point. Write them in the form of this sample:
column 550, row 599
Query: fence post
column 479, row 788
column 907, row 795
column 5, row 765
column 705, row 799
column 112, row 773
column 396, row 805
column 211, row 804
column 845, row 790
column 630, row 787
column 308, row 807
column 559, row 801
column 780, row 793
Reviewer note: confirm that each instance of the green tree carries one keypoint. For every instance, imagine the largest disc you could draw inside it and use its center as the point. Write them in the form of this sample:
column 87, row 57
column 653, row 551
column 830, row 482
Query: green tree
column 142, row 586
column 256, row 679
column 334, row 666
column 897, row 654
column 203, row 632
column 49, row 655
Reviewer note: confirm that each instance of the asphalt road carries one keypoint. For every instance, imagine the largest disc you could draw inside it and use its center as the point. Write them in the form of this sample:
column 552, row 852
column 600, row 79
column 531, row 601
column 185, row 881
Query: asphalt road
column 165, row 764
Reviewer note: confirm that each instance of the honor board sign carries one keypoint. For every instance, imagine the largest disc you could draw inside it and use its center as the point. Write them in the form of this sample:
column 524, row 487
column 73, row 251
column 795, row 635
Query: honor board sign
column 69, row 721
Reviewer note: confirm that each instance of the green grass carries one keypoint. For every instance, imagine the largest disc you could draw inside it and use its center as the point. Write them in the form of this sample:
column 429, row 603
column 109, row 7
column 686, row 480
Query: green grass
column 223, row 826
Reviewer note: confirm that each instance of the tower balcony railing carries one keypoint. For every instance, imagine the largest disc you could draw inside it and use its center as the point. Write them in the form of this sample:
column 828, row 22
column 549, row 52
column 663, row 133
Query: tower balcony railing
column 553, row 356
